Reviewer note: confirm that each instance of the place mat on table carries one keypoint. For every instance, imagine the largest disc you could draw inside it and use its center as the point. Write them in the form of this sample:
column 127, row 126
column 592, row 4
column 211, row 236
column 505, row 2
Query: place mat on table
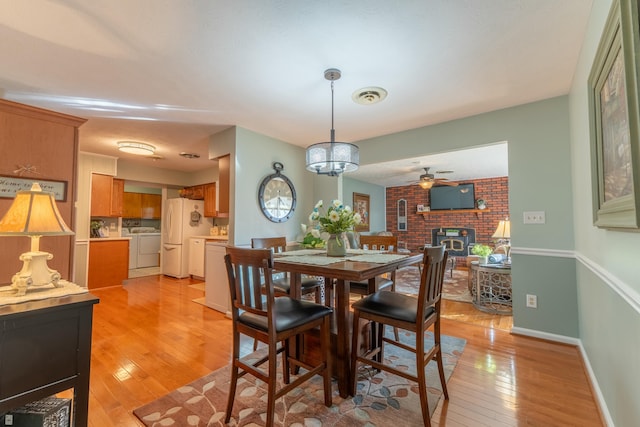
column 8, row 294
column 379, row 258
column 312, row 259
column 363, row 251
column 301, row 252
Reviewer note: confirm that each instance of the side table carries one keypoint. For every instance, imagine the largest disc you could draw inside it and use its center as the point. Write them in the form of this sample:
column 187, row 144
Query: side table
column 490, row 287
column 45, row 348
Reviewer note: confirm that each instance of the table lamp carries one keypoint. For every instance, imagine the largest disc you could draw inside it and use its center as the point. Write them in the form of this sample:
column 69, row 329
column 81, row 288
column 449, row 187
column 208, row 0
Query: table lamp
column 503, row 237
column 34, row 213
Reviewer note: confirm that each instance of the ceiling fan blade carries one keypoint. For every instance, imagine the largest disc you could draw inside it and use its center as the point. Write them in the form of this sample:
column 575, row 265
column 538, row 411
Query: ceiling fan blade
column 451, row 184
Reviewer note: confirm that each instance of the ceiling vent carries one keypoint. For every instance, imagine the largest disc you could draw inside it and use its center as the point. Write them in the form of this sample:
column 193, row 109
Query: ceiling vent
column 369, row 95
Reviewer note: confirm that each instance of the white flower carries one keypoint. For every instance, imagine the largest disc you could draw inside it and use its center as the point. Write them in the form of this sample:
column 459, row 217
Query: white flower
column 314, row 216
column 334, row 216
column 347, row 208
column 319, row 204
column 315, row 233
column 303, row 227
column 337, row 203
column 357, row 218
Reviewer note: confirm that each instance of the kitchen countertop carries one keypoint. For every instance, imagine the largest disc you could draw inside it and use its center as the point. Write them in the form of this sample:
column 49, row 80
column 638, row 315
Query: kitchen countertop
column 102, row 239
column 223, row 238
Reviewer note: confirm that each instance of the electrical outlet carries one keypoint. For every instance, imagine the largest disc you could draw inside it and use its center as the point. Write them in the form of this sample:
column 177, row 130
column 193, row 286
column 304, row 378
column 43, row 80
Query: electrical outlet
column 532, row 301
column 537, row 217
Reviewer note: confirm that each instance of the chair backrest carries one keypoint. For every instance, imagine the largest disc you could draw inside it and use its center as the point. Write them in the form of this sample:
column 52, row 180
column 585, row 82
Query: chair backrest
column 276, row 244
column 247, row 270
column 379, row 242
column 432, row 278
column 353, row 238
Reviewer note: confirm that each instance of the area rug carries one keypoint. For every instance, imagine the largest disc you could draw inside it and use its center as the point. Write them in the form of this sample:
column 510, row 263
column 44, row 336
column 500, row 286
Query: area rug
column 382, row 399
column 454, row 288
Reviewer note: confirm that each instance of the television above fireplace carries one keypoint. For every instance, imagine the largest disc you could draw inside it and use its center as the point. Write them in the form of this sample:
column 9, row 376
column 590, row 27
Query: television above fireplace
column 447, row 197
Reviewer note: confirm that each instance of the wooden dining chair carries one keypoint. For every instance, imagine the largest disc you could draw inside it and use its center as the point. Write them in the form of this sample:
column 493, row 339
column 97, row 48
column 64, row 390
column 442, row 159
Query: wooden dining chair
column 281, row 280
column 379, row 283
column 411, row 314
column 273, row 321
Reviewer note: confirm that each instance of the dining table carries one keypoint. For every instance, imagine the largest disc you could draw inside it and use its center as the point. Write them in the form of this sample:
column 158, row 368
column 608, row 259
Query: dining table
column 357, row 265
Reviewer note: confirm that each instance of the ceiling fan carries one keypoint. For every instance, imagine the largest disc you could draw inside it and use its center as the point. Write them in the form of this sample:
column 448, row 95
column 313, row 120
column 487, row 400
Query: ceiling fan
column 427, row 180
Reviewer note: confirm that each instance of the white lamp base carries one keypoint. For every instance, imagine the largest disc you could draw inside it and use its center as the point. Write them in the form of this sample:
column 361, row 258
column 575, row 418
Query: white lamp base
column 35, row 272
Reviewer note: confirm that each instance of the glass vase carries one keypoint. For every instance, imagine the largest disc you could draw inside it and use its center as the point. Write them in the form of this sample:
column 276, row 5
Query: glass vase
column 336, row 245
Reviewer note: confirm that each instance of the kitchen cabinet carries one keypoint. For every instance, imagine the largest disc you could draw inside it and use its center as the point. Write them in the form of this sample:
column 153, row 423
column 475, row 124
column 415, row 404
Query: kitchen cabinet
column 224, row 164
column 107, row 196
column 108, row 262
column 142, row 205
column 216, row 290
column 132, row 205
column 210, row 200
column 197, row 192
column 39, row 144
column 151, row 206
column 196, row 257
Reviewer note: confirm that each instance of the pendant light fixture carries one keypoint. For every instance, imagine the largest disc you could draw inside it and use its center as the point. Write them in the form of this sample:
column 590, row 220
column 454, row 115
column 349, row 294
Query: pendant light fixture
column 332, row 158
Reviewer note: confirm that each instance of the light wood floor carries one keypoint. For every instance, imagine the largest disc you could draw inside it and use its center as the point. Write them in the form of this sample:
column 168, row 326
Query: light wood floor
column 150, row 338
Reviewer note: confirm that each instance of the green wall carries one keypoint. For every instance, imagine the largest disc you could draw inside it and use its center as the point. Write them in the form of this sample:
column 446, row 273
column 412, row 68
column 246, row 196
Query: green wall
column 608, row 289
column 539, row 180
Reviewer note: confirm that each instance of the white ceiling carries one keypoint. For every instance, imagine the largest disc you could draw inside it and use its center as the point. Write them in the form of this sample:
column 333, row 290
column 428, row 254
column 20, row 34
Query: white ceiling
column 171, row 73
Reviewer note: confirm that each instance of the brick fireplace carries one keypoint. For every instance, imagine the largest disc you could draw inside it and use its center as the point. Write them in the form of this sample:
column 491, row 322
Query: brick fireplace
column 456, row 239
column 420, row 226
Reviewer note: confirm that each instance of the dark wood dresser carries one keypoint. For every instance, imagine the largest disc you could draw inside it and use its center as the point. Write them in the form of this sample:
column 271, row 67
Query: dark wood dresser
column 45, row 348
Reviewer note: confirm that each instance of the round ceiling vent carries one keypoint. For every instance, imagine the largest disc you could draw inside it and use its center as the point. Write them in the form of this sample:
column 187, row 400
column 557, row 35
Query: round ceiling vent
column 190, row 155
column 369, row 95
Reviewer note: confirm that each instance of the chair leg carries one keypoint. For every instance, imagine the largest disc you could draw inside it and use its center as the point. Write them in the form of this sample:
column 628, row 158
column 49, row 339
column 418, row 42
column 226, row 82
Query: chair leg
column 325, row 344
column 396, row 334
column 422, row 378
column 234, row 376
column 354, row 351
column 439, row 361
column 271, row 386
column 286, row 354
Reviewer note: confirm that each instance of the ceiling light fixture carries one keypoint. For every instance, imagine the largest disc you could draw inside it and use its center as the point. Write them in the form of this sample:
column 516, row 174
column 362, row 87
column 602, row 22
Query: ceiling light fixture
column 332, row 158
column 425, row 184
column 139, row 148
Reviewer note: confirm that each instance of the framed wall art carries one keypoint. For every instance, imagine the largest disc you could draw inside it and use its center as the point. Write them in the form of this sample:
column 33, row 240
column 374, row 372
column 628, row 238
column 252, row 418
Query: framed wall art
column 361, row 205
column 10, row 185
column 614, row 121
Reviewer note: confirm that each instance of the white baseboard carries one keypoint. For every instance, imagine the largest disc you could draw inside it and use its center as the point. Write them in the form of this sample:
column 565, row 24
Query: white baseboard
column 578, row 343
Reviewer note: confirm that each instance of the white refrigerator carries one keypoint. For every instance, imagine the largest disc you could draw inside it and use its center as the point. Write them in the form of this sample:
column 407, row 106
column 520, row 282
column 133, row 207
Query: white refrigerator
column 183, row 219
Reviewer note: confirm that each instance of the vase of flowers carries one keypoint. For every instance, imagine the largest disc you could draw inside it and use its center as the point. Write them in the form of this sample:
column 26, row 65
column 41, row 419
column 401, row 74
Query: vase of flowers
column 331, row 225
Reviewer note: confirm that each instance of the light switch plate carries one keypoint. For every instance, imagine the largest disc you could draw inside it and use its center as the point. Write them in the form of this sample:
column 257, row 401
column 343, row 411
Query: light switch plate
column 536, row 217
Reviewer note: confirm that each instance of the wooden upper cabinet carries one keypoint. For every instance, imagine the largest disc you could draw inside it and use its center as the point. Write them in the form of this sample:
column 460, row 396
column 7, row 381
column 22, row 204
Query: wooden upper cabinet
column 117, row 197
column 151, row 206
column 223, row 190
column 197, row 192
column 132, row 205
column 210, row 200
column 107, row 196
column 142, row 205
column 39, row 144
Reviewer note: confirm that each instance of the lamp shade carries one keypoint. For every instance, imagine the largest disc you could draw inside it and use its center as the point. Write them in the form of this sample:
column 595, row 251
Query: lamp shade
column 426, row 184
column 332, row 158
column 33, row 213
column 503, row 231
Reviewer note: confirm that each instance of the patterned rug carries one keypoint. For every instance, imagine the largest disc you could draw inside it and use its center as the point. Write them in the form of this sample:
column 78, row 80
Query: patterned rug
column 455, row 288
column 382, row 399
